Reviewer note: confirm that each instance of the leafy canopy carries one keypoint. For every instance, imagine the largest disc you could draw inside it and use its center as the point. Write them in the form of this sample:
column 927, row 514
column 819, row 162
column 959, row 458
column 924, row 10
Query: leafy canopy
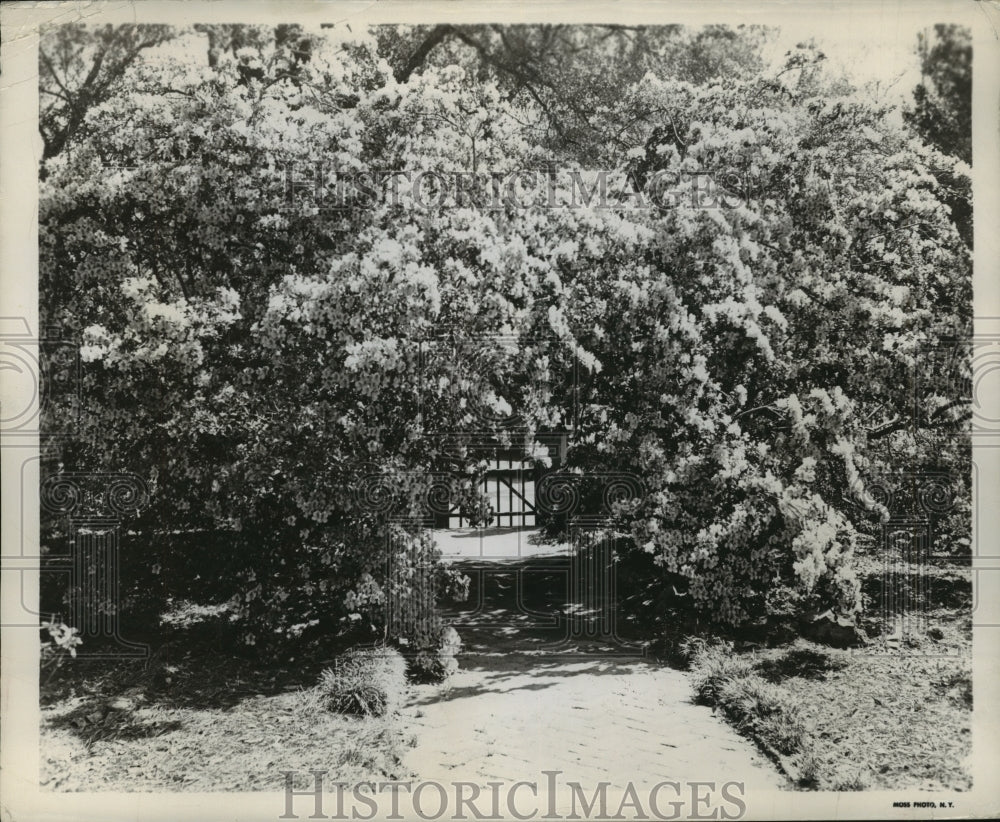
column 290, row 371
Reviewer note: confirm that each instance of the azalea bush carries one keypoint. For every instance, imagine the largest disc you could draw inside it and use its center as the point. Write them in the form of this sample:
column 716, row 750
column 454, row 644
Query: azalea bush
column 741, row 391
column 303, row 375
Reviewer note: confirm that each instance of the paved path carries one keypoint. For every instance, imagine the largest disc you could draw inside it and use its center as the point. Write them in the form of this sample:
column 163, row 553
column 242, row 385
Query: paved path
column 530, row 696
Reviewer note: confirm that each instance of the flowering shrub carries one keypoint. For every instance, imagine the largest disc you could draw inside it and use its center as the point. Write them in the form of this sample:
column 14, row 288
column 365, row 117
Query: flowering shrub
column 62, row 642
column 62, row 638
column 258, row 356
column 436, row 660
column 756, row 417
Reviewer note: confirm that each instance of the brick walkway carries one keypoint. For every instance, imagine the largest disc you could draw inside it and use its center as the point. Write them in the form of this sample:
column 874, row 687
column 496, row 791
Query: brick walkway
column 530, row 697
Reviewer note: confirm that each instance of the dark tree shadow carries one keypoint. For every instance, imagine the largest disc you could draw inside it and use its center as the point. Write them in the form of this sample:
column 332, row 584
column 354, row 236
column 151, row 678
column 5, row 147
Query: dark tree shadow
column 804, row 663
column 520, row 617
column 186, row 668
column 93, row 722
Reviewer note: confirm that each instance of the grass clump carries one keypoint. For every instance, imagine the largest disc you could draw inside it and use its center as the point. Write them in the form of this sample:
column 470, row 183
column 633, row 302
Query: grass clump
column 757, row 708
column 364, row 682
column 851, row 780
column 760, row 710
column 714, row 665
column 956, row 686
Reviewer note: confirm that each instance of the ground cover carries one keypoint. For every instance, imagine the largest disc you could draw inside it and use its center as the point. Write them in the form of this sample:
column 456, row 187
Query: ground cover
column 896, row 713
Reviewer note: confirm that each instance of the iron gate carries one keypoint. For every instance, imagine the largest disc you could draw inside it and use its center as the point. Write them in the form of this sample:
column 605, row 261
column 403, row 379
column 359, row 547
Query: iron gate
column 508, row 488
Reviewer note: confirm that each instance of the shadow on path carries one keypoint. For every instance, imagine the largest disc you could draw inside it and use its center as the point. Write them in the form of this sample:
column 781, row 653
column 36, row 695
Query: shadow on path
column 545, row 683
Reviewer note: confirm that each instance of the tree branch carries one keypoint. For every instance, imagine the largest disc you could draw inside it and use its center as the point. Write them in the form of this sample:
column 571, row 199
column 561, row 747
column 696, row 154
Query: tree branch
column 437, row 34
column 767, row 408
column 893, row 425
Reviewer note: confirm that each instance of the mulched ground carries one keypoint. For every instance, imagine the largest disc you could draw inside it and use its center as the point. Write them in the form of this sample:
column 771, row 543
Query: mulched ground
column 193, row 717
column 243, row 748
column 897, row 713
column 892, row 716
column 886, row 721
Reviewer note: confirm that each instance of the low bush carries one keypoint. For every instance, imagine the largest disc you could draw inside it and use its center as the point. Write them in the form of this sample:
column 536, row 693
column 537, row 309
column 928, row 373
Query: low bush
column 436, row 662
column 412, row 619
column 364, row 682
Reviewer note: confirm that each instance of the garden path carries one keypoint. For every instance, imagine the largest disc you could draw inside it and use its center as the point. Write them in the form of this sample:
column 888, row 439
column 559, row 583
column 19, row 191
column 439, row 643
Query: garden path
column 534, row 694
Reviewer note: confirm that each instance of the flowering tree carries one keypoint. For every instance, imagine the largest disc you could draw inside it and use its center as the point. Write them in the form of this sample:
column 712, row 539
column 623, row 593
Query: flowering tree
column 281, row 361
column 746, row 395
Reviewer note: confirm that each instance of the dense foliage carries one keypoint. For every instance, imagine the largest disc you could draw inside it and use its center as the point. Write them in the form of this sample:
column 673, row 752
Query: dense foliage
column 942, row 102
column 744, row 311
column 941, row 112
